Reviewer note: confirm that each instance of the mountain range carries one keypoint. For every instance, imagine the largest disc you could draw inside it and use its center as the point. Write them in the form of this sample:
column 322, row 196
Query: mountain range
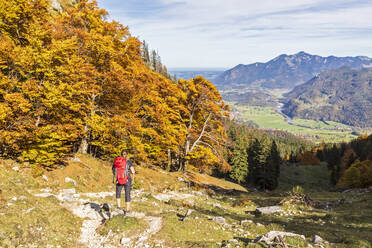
column 343, row 95
column 285, row 71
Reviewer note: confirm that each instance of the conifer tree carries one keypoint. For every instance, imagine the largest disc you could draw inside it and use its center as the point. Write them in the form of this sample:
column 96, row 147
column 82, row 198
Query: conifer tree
column 256, row 161
column 272, row 167
column 239, row 166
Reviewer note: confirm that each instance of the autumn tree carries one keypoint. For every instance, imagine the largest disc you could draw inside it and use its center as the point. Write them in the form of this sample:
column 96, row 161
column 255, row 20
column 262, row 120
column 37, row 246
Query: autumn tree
column 202, row 118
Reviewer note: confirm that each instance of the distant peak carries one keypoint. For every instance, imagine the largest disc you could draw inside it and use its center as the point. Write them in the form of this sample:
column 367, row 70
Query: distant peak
column 302, row 53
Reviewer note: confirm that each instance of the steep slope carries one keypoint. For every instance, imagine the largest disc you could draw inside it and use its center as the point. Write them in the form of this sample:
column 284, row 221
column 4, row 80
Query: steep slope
column 343, row 95
column 285, row 71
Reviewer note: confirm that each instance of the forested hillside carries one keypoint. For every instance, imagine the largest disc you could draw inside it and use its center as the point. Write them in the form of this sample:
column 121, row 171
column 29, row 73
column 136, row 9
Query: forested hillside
column 71, row 80
column 343, row 95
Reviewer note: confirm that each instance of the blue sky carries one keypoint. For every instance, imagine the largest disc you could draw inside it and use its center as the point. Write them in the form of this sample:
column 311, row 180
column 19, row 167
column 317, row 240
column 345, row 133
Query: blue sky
column 224, row 33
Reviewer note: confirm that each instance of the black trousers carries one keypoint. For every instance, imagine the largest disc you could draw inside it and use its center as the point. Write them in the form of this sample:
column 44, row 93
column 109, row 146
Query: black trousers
column 127, row 188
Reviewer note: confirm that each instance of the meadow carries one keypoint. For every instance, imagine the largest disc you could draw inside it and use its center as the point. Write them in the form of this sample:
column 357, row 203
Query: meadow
column 268, row 118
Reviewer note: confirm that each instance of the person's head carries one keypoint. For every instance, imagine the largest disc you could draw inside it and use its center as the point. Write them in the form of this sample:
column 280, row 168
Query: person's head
column 124, row 153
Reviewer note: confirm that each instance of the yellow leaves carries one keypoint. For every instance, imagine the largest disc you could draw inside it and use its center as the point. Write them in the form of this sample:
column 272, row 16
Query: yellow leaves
column 74, row 75
column 17, row 102
column 4, row 112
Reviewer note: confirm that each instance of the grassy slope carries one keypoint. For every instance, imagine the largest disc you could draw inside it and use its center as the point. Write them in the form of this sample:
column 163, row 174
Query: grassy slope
column 348, row 225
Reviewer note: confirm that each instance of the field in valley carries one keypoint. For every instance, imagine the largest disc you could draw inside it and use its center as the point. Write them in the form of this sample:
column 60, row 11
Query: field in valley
column 269, row 118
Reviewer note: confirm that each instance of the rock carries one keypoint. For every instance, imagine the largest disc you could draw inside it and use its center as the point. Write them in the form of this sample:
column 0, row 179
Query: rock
column 15, row 168
column 68, row 191
column 242, row 222
column 124, row 241
column 29, row 210
column 75, row 159
column 180, row 179
column 272, row 235
column 317, row 240
column 14, row 199
column 268, row 210
column 22, row 198
column 46, row 190
column 198, row 193
column 188, row 212
column 67, row 180
column 217, row 205
column 44, row 195
column 67, row 198
column 45, row 178
column 220, row 220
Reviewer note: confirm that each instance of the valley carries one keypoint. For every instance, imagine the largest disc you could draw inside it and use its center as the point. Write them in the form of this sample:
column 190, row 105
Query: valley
column 270, row 116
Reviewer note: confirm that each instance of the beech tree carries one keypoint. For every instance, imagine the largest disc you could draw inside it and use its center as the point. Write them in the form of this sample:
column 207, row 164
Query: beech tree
column 202, row 118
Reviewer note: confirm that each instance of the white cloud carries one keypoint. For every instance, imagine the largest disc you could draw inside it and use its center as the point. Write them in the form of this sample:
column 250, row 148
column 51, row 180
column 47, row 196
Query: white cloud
column 221, row 33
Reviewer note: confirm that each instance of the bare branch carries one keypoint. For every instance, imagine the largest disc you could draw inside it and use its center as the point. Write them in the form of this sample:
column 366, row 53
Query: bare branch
column 202, row 133
column 210, row 146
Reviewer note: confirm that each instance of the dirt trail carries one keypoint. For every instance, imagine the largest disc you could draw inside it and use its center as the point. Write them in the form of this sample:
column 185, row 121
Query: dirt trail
column 93, row 217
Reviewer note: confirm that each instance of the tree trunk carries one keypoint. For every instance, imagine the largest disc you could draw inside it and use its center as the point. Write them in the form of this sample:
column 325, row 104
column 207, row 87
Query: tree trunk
column 83, row 149
column 169, row 160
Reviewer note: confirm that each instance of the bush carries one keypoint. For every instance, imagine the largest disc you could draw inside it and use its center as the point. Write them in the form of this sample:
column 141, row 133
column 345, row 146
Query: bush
column 358, row 175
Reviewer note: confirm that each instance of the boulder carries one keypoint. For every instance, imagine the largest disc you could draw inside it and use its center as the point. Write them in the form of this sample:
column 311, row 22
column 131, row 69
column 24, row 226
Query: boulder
column 15, row 168
column 317, row 240
column 268, row 210
column 220, row 220
column 272, row 235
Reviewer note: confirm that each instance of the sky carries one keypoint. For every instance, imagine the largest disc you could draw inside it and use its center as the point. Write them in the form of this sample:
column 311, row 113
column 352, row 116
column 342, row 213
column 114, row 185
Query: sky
column 224, row 33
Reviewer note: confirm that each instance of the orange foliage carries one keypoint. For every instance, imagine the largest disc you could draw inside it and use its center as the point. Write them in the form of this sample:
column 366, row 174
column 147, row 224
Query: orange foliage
column 308, row 158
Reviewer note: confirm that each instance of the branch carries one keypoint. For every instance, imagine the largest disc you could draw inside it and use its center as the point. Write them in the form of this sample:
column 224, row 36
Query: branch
column 213, row 139
column 213, row 149
column 201, row 134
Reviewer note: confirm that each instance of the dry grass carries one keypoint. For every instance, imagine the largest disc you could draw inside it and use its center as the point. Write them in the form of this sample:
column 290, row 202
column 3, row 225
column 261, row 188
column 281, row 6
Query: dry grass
column 205, row 180
column 30, row 221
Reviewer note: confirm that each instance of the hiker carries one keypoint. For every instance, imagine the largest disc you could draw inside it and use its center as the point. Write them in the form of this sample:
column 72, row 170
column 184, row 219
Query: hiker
column 123, row 172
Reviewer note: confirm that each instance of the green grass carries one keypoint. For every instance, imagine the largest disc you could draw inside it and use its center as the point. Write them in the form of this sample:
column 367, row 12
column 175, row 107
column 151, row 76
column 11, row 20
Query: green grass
column 192, row 230
column 268, row 118
column 311, row 178
column 125, row 226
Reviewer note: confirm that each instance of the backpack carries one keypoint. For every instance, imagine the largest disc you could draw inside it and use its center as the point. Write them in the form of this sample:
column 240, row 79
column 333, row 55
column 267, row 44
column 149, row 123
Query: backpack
column 122, row 175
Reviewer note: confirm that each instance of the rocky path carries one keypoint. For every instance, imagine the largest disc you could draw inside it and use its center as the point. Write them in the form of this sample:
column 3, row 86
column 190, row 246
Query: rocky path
column 94, row 215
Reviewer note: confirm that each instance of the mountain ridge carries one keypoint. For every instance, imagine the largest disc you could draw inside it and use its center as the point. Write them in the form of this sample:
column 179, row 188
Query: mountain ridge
column 286, row 71
column 343, row 95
